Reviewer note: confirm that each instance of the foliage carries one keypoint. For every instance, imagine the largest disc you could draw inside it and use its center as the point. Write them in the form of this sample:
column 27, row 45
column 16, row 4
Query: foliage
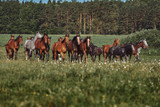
column 91, row 17
column 152, row 37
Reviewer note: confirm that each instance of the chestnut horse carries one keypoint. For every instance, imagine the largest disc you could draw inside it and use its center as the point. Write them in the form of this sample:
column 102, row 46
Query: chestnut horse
column 106, row 48
column 60, row 39
column 60, row 48
column 13, row 46
column 84, row 45
column 41, row 45
column 72, row 47
column 7, row 47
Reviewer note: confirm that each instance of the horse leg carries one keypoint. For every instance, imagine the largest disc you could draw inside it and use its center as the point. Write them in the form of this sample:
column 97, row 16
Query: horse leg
column 69, row 55
column 55, row 55
column 16, row 55
column 81, row 57
column 26, row 54
column 85, row 55
column 47, row 56
column 110, row 58
column 64, row 55
column 12, row 54
column 99, row 58
column 121, row 58
column 72, row 56
column 40, row 54
column 95, row 58
column 35, row 53
column 61, row 53
column 104, row 54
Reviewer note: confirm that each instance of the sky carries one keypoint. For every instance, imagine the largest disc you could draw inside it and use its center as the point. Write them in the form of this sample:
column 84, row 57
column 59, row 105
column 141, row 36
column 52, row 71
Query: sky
column 45, row 1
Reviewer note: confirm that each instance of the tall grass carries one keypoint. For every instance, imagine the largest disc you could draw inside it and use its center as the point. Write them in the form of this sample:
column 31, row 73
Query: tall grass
column 32, row 83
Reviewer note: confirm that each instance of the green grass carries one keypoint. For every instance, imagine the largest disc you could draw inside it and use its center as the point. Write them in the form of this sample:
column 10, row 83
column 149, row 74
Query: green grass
column 33, row 83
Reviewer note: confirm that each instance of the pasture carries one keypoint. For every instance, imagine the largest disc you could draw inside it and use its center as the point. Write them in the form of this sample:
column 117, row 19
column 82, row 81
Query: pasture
column 33, row 83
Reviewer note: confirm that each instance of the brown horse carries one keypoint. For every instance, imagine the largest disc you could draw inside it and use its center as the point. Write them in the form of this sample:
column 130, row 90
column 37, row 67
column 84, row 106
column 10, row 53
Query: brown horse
column 13, row 46
column 106, row 48
column 41, row 45
column 137, row 48
column 7, row 46
column 84, row 45
column 72, row 47
column 60, row 48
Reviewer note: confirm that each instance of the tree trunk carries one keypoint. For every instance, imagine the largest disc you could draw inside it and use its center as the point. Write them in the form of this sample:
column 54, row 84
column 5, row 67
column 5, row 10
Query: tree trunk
column 84, row 24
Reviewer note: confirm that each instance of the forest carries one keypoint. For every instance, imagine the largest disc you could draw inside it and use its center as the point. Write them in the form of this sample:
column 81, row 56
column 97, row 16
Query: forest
column 91, row 17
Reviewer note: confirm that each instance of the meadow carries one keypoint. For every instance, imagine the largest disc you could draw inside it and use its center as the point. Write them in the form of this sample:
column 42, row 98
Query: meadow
column 117, row 84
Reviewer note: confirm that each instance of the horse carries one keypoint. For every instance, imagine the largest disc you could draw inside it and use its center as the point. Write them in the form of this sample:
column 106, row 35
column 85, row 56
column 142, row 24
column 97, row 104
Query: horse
column 84, row 45
column 106, row 48
column 117, row 51
column 128, row 50
column 13, row 46
column 95, row 51
column 60, row 48
column 60, row 39
column 135, row 49
column 7, row 47
column 42, row 46
column 29, row 45
column 47, row 49
column 72, row 47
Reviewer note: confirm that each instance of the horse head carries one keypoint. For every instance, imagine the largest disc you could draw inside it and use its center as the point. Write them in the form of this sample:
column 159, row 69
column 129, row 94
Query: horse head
column 49, row 40
column 20, row 39
column 45, row 37
column 60, row 39
column 78, row 38
column 38, row 35
column 144, row 44
column 12, row 37
column 67, row 38
column 116, row 42
column 88, row 40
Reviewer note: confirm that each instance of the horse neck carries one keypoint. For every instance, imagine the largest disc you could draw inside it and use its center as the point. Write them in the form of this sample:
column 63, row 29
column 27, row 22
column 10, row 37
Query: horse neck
column 137, row 46
column 34, row 39
column 114, row 44
column 16, row 41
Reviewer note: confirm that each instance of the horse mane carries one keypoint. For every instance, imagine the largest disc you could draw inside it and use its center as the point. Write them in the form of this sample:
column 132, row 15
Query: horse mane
column 63, row 40
column 85, row 40
column 42, row 38
column 74, row 38
column 17, row 38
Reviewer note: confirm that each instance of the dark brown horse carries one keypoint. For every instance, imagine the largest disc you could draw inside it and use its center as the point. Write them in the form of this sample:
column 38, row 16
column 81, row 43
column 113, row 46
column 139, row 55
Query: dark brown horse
column 13, row 46
column 72, row 47
column 84, row 45
column 60, row 48
column 41, row 45
column 95, row 51
column 106, row 48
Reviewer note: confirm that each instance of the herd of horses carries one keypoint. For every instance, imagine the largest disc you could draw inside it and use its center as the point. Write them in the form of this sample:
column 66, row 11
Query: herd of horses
column 76, row 48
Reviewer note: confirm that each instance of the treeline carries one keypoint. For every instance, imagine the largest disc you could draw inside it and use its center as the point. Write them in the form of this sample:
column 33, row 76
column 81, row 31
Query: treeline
column 94, row 17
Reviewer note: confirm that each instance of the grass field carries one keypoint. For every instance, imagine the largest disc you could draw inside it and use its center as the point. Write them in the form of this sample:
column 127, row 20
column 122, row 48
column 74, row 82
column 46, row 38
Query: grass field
column 33, row 83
